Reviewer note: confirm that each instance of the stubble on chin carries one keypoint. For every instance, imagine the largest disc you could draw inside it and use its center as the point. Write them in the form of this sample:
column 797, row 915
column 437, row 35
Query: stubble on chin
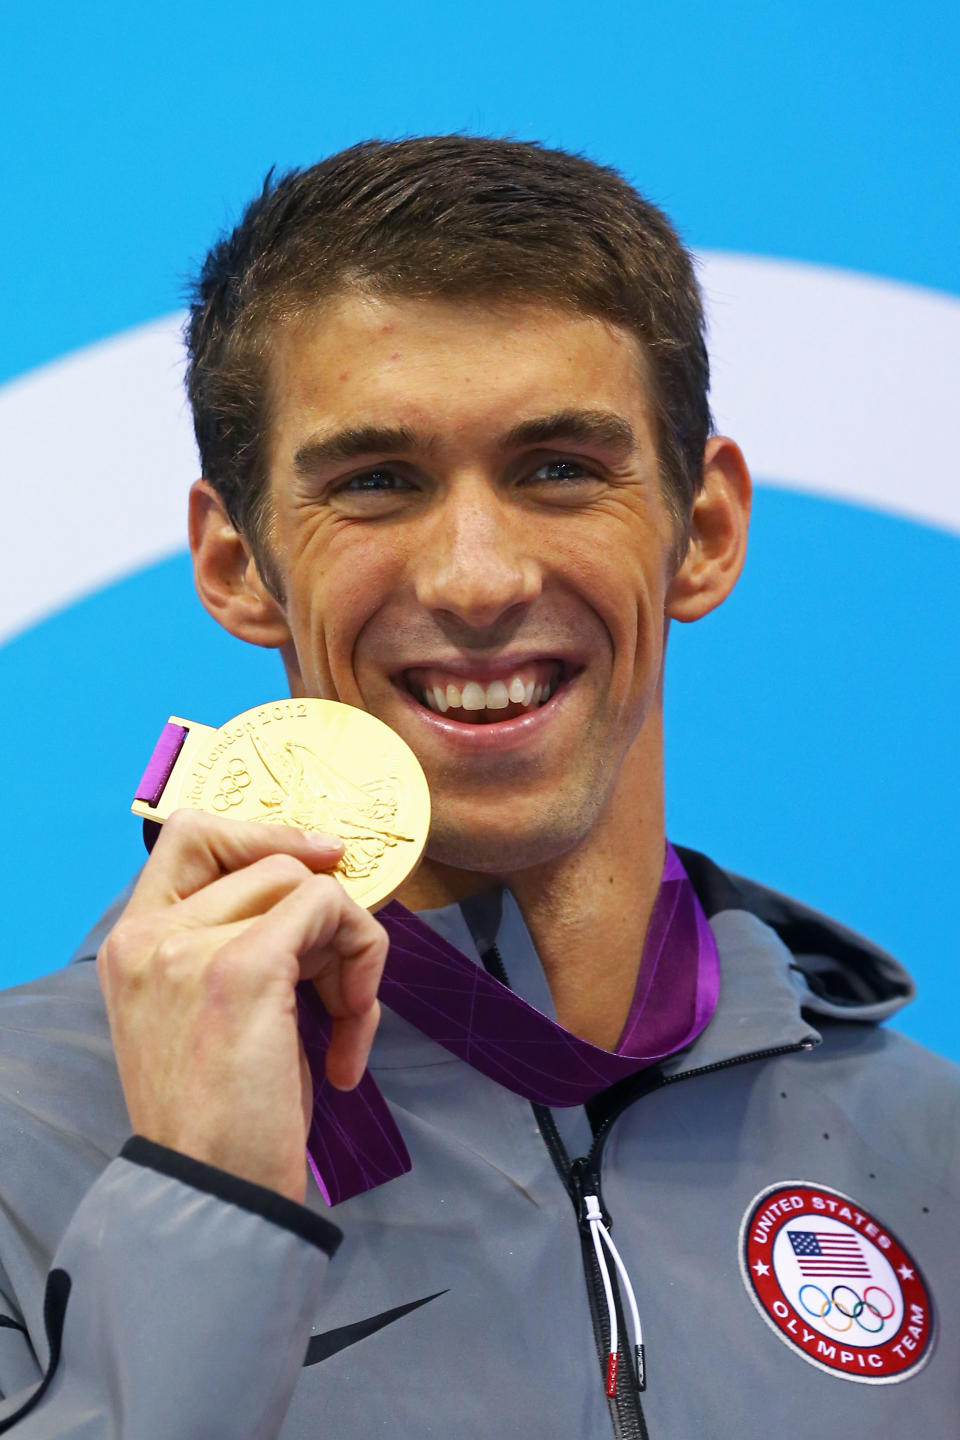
column 510, row 842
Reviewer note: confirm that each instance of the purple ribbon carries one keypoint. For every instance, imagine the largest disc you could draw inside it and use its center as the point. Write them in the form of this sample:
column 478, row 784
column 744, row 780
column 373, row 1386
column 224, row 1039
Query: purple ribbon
column 354, row 1143
column 161, row 763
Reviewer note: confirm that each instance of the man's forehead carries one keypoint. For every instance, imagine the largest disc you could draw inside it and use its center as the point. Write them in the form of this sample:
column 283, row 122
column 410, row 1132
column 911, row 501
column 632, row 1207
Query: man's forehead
column 372, row 319
column 338, row 368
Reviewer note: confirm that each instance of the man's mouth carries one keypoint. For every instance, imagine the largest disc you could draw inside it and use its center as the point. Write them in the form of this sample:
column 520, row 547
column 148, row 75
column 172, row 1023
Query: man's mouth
column 485, row 699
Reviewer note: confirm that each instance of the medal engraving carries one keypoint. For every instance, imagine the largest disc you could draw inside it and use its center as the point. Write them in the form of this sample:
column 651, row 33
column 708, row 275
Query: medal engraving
column 316, row 765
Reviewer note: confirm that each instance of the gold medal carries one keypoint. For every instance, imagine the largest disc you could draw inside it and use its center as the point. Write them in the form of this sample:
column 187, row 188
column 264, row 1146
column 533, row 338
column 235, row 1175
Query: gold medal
column 315, row 764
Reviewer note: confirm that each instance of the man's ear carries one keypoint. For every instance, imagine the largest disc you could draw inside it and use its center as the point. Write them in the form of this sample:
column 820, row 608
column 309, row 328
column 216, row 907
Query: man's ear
column 225, row 573
column 718, row 534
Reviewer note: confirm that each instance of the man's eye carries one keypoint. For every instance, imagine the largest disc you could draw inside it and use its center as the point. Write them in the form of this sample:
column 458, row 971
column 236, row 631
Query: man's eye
column 377, row 482
column 560, row 470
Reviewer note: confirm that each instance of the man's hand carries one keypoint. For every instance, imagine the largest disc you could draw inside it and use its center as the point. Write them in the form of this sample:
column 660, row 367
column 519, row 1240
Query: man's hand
column 199, row 976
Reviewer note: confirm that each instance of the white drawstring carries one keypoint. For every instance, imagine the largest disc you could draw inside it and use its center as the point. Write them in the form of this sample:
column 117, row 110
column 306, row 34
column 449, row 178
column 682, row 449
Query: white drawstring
column 601, row 1237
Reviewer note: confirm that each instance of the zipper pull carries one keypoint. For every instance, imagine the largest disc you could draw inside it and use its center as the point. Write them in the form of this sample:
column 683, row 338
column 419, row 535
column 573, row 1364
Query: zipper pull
column 577, row 1172
column 594, row 1219
column 584, row 1184
column 602, row 1242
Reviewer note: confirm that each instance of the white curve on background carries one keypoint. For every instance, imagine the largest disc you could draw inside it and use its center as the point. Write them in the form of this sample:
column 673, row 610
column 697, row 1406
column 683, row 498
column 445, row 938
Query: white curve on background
column 835, row 383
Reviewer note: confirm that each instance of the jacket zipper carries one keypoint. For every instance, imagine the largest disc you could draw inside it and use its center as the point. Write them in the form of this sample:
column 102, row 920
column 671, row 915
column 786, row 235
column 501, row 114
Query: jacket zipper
column 580, row 1178
column 661, row 1081
column 625, row 1412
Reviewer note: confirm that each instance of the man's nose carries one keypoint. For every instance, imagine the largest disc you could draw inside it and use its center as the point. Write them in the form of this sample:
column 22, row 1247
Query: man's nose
column 476, row 562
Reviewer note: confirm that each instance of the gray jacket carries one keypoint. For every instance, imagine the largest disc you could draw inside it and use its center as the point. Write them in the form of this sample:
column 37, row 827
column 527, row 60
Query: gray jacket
column 145, row 1295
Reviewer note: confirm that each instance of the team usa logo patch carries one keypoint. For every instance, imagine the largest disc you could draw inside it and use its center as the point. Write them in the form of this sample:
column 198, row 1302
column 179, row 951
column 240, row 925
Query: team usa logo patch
column 833, row 1283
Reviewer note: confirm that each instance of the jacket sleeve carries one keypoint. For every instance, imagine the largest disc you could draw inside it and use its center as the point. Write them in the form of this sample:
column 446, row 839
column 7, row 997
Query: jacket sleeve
column 179, row 1302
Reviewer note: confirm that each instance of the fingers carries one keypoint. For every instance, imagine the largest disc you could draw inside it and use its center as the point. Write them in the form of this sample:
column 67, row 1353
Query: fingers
column 200, row 977
column 349, row 1048
column 234, row 914
column 333, row 941
column 244, row 894
column 195, row 849
column 338, row 945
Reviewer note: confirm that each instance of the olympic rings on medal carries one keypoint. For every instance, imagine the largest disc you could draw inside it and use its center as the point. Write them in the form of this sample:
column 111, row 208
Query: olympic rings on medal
column 234, row 781
column 860, row 1305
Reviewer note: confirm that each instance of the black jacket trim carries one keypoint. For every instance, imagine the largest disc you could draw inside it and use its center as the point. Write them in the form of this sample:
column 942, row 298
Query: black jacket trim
column 54, row 1310
column 8, row 1323
column 321, row 1347
column 716, row 890
column 257, row 1199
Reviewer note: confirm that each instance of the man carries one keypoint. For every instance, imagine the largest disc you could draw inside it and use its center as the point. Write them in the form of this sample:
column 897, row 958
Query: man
column 451, row 402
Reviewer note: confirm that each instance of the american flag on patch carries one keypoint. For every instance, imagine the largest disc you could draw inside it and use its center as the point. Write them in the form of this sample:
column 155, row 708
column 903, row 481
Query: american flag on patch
column 828, row 1253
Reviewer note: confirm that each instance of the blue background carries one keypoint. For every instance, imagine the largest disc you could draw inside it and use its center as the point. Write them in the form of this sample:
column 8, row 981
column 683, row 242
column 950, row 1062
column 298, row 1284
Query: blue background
column 811, row 722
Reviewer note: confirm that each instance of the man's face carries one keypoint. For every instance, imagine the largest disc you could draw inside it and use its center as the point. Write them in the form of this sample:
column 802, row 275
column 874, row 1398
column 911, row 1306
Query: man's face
column 472, row 542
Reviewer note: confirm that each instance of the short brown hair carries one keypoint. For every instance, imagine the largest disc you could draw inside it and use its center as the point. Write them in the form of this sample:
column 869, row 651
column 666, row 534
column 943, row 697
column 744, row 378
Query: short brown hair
column 445, row 217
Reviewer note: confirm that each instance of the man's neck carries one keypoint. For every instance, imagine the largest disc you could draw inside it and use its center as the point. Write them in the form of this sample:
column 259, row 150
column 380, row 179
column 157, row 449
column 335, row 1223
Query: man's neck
column 588, row 918
column 588, row 910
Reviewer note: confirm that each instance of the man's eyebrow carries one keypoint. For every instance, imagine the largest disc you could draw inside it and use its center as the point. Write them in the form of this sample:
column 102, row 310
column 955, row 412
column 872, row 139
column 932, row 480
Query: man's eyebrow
column 349, row 444
column 590, row 427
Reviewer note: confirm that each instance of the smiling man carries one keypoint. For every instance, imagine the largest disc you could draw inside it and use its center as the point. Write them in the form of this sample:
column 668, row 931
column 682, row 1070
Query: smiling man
column 451, row 403
column 467, row 535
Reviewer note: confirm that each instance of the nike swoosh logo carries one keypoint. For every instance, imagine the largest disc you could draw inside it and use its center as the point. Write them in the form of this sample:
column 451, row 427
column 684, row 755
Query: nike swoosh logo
column 321, row 1347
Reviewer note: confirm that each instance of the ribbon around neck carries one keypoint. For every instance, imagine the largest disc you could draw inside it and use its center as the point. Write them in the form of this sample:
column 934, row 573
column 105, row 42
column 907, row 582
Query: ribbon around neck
column 354, row 1143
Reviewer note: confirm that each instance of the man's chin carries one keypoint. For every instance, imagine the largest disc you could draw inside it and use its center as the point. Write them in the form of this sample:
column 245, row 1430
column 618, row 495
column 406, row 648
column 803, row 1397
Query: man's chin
column 498, row 850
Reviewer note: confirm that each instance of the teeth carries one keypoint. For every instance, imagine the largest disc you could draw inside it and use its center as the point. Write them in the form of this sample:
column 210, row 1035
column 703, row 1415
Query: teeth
column 498, row 695
column 474, row 697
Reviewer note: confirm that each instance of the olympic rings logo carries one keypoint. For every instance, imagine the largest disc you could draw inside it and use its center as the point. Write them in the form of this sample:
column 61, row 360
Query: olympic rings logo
column 232, row 784
column 860, row 1304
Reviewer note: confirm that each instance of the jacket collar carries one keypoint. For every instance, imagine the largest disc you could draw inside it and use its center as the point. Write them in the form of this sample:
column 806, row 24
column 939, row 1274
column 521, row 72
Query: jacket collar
column 837, row 973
